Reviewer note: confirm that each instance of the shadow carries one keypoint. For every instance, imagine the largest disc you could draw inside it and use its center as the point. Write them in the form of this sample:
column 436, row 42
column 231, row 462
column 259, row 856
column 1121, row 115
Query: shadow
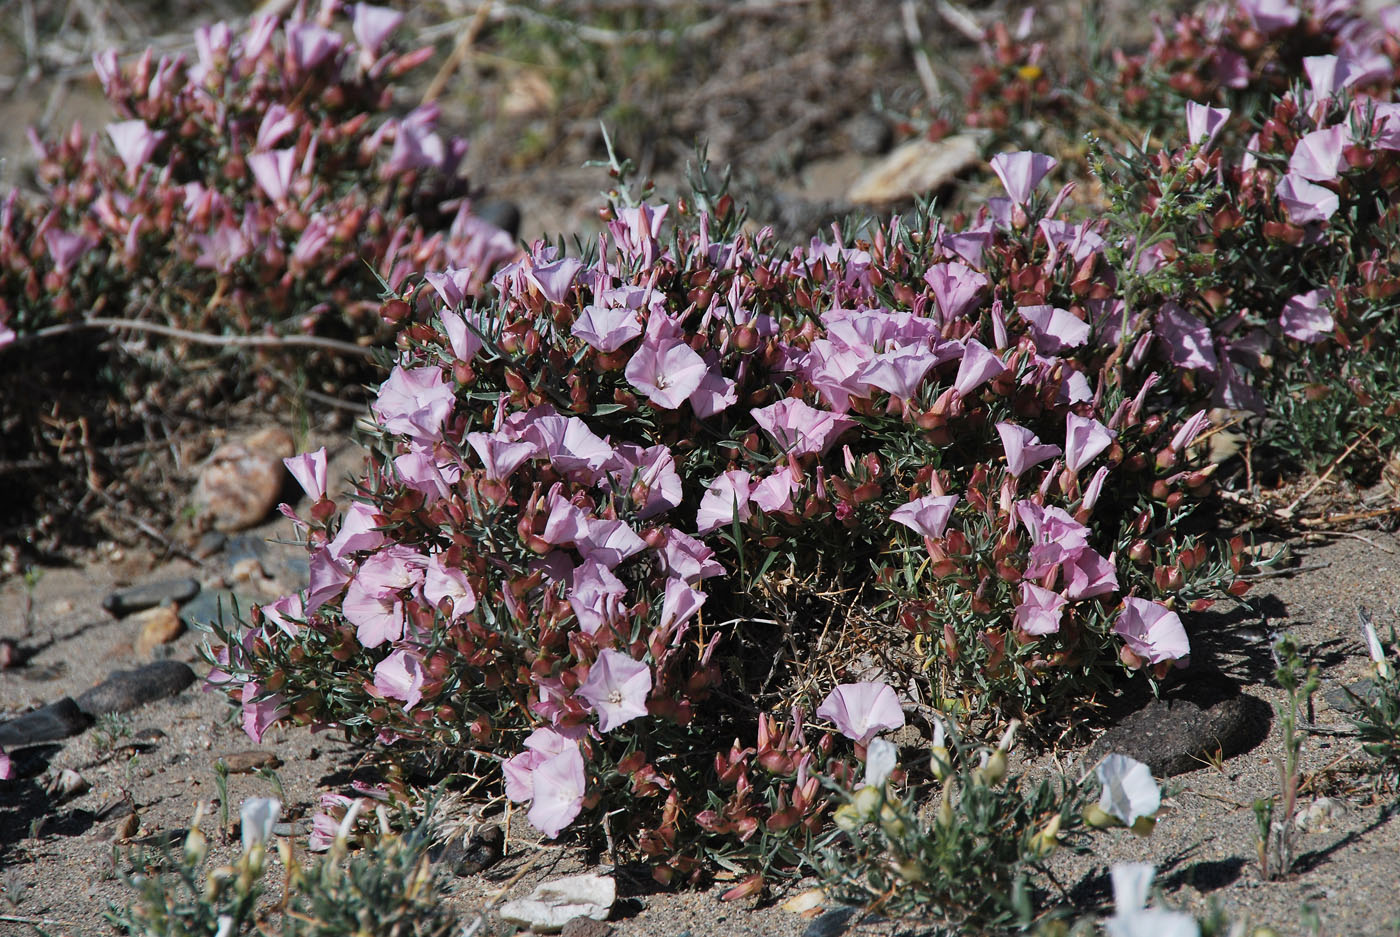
column 1207, row 877
column 27, row 811
column 1314, row 858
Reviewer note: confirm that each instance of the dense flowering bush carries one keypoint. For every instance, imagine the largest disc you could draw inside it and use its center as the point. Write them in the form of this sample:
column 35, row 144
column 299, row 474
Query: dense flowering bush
column 662, row 533
column 255, row 191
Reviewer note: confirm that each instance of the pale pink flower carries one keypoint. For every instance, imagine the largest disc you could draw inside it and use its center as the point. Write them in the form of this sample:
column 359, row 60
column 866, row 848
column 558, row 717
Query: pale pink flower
column 1306, row 202
column 596, row 596
column 1021, row 172
column 978, row 365
column 569, row 444
column 649, row 473
column 616, row 688
column 414, row 403
column 540, row 745
column 328, row 579
column 956, row 288
column 1129, row 790
column 862, row 710
column 559, row 784
column 928, row 515
column 309, row 469
column 286, row 613
column 663, row 367
column 1204, row 123
column 372, row 25
column 1270, row 15
column 1023, row 448
column 899, row 372
column 500, row 456
column 1040, row 610
column 684, row 557
column 1151, row 631
column 715, row 393
column 681, row 602
column 358, row 531
column 1189, row 430
column 1188, row 339
column 1085, row 438
column 1088, row 574
column 1305, row 318
column 555, row 279
column 799, row 428
column 1318, row 155
column 441, row 581
column 373, row 602
column 420, row 470
column 608, row 542
column 260, row 714
column 273, row 171
column 726, row 498
column 774, row 494
column 277, row 122
column 7, row 767
column 66, row 249
column 610, row 322
column 1055, row 330
column 310, row 45
column 135, row 143
column 400, row 676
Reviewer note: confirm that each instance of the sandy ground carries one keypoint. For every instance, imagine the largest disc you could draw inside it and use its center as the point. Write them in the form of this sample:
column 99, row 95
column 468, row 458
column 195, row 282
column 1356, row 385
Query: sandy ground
column 57, row 859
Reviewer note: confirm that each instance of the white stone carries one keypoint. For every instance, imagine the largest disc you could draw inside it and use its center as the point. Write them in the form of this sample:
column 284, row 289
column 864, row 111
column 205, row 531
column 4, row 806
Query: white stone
column 553, row 904
column 917, row 167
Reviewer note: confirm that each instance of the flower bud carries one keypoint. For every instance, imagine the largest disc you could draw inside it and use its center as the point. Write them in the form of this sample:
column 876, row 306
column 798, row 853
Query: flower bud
column 847, row 818
column 1099, row 818
column 892, row 822
column 867, row 801
column 1048, row 838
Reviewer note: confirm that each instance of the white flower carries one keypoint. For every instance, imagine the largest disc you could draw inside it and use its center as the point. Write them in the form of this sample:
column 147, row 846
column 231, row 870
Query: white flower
column 1131, row 883
column 1129, row 790
column 881, row 756
column 225, row 926
column 259, row 815
column 1132, row 918
column 1375, row 648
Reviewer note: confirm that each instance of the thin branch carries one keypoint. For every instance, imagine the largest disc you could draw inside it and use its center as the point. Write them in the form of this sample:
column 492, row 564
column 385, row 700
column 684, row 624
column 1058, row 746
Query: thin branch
column 1287, row 513
column 460, row 51
column 910, row 18
column 199, row 338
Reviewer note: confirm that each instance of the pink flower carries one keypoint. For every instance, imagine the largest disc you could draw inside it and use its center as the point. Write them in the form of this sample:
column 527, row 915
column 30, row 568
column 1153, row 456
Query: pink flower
column 400, row 676
column 611, row 321
column 928, row 515
column 1023, row 448
column 565, row 523
column 726, row 498
column 1270, row 15
column 358, row 531
column 222, row 249
column 1188, row 339
column 955, row 287
column 414, row 403
column 555, row 279
column 135, row 143
column 1305, row 201
column 1088, row 574
column 499, row 455
column 273, row 170
column 1040, row 610
column 372, row 25
column 373, row 602
column 309, row 469
column 441, row 581
column 798, row 428
column 420, row 470
column 328, row 579
column 1055, row 330
column 559, row 784
column 684, row 557
column 608, row 542
column 1318, row 155
column 1021, row 172
column 862, row 710
column 286, row 613
column 715, row 392
column 277, row 122
column 597, row 596
column 7, row 767
column 540, row 745
column 616, row 688
column 899, row 372
column 664, row 368
column 1204, row 123
column 1305, row 318
column 774, row 494
column 1189, row 430
column 650, row 473
column 569, row 444
column 1085, row 438
column 310, row 45
column 313, row 240
column 1094, row 489
column 1153, row 632
column 681, row 602
column 66, row 249
column 260, row 714
column 978, row 366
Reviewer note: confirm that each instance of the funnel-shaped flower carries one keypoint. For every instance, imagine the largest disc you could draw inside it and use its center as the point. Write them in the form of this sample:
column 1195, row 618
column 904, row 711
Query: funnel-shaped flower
column 979, row 365
column 558, row 785
column 726, row 498
column 1318, row 156
column 135, row 142
column 616, row 688
column 441, row 581
column 1021, row 172
column 1040, row 610
column 499, row 455
column 1304, row 318
column 1023, row 448
column 1129, row 790
column 597, row 596
column 1188, row 339
column 663, row 367
column 273, row 170
column 928, row 515
column 1204, row 123
column 1085, row 438
column 798, row 428
column 955, row 287
column 373, row 24
column 899, row 372
column 414, row 403
column 1055, row 330
column 1153, row 632
column 400, row 676
column 861, row 710
column 258, row 815
column 1305, row 201
column 309, row 469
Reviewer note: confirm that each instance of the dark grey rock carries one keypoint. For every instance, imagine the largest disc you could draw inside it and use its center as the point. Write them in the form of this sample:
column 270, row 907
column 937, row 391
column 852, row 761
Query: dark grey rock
column 214, row 605
column 149, row 595
column 1193, row 723
column 870, row 134
column 500, row 212
column 833, row 923
column 210, row 543
column 1344, row 698
column 127, row 689
column 57, row 720
column 586, row 927
column 481, row 851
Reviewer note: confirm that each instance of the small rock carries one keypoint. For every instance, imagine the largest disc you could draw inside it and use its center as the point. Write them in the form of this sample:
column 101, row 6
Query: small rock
column 49, row 723
column 125, row 828
column 159, row 625
column 242, row 481
column 869, row 134
column 805, row 902
column 246, row 570
column 149, row 735
column 215, row 606
column 586, row 927
column 500, row 212
column 126, row 689
column 832, row 924
column 1318, row 816
column 139, row 598
column 249, row 761
column 481, row 851
column 553, row 904
column 1345, row 698
column 1193, row 722
column 917, row 167
column 67, row 783
column 208, row 544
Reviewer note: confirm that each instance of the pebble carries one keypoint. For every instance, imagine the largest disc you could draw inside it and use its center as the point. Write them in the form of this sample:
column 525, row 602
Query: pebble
column 1191, row 724
column 1344, row 698
column 917, row 167
column 831, row 924
column 159, row 625
column 209, row 543
column 67, row 783
column 215, row 606
column 869, row 134
column 247, row 762
column 124, row 602
column 57, row 720
column 481, row 851
column 554, row 903
column 586, row 927
column 1318, row 816
column 126, row 689
column 242, row 481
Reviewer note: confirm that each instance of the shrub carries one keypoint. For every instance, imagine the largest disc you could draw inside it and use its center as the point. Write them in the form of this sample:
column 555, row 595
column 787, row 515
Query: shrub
column 239, row 206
